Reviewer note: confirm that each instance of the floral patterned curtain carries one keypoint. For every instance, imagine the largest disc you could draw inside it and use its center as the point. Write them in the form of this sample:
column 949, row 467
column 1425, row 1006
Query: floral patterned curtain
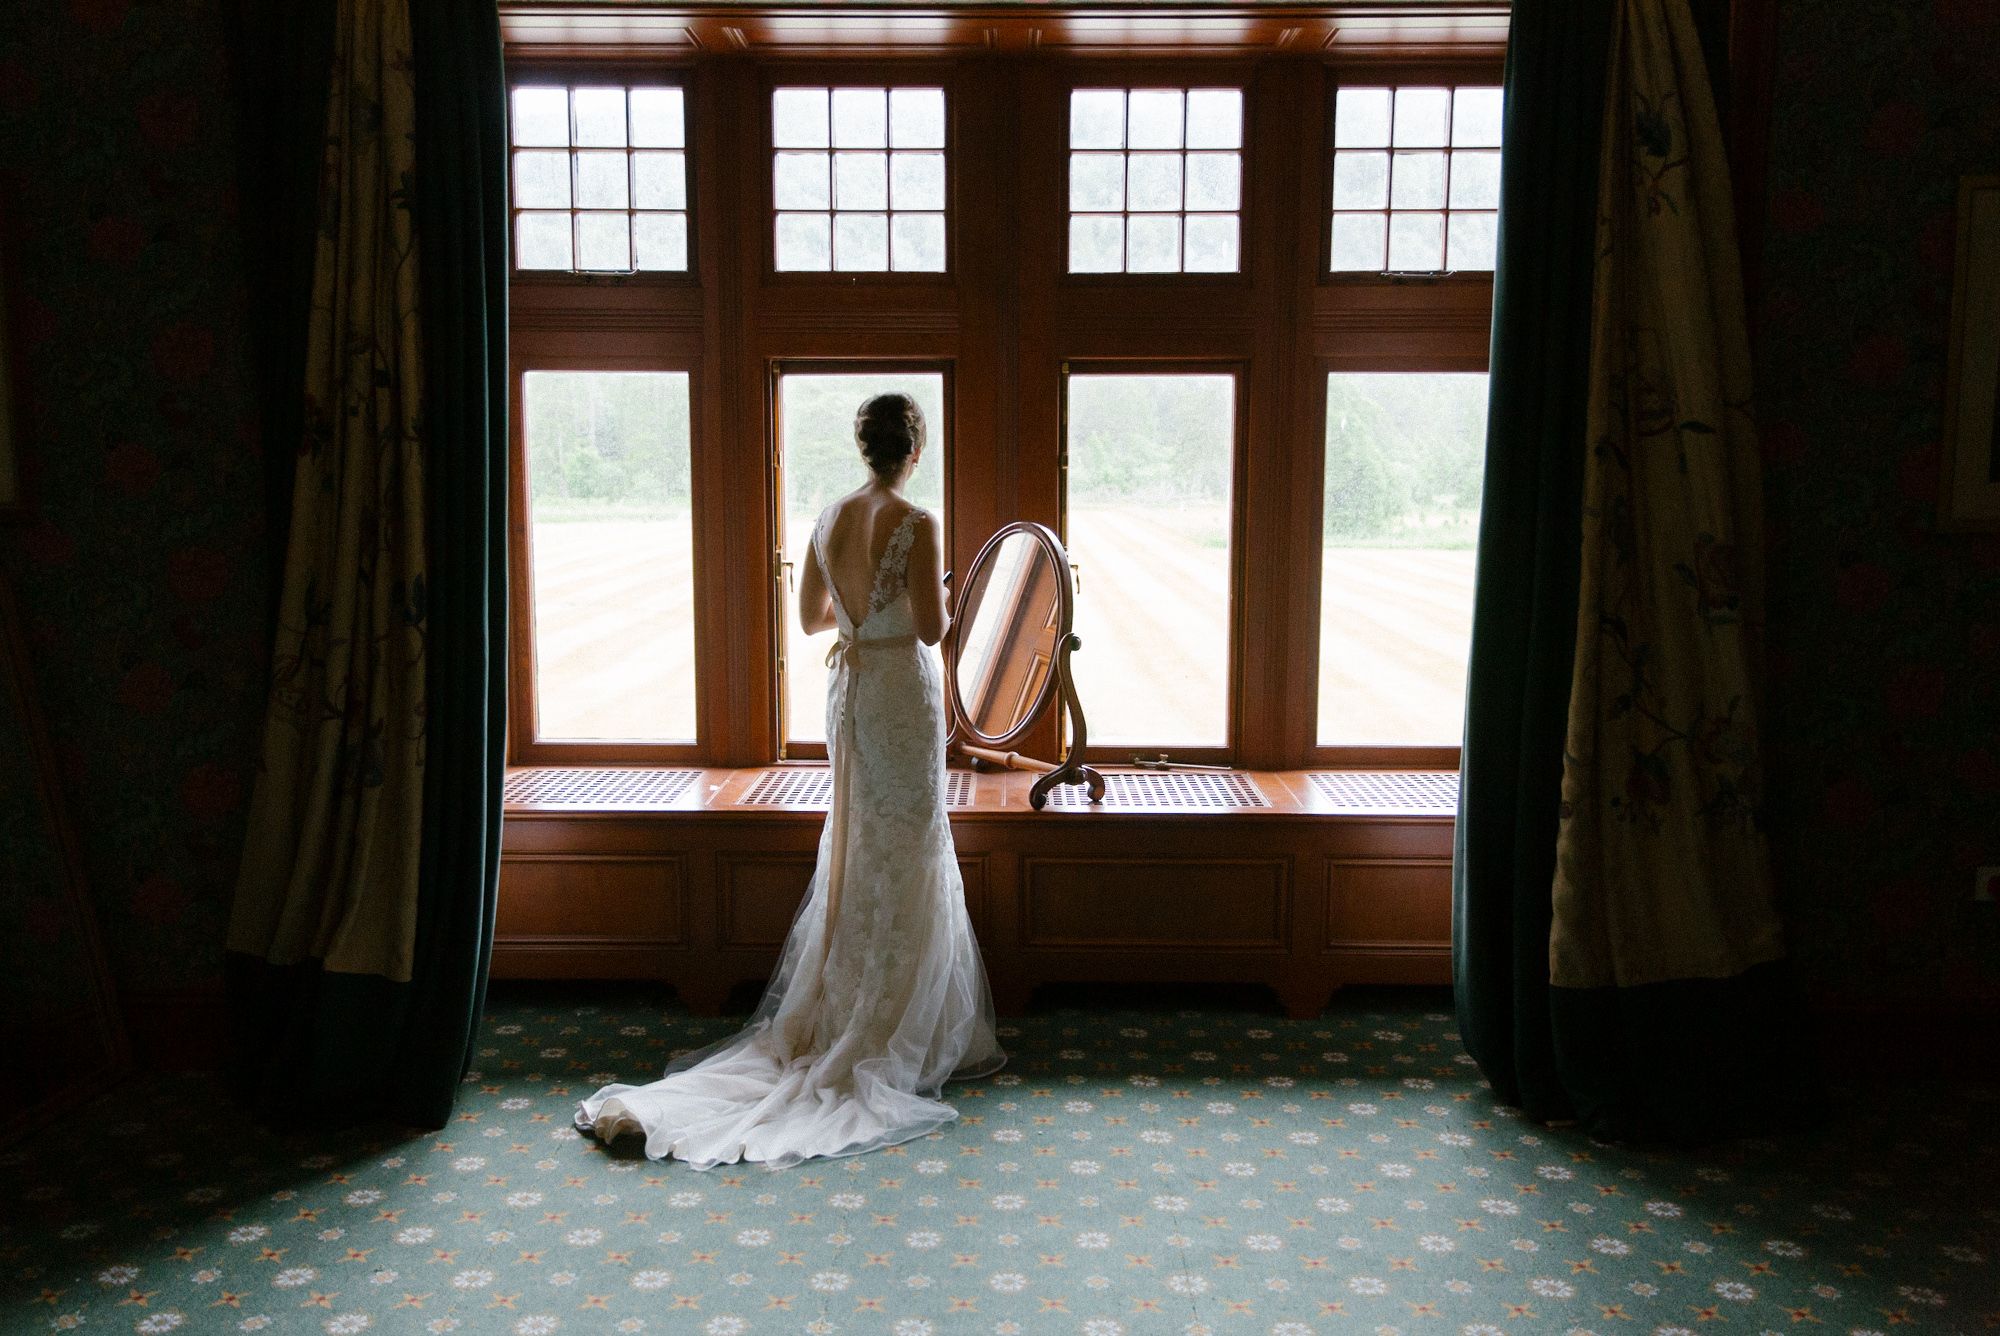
column 1662, row 869
column 330, row 867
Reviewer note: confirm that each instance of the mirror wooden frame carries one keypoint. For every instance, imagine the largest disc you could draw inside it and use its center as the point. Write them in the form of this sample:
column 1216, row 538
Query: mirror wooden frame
column 991, row 749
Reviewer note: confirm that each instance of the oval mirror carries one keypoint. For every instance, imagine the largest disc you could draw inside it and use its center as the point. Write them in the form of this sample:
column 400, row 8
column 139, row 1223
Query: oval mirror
column 1012, row 612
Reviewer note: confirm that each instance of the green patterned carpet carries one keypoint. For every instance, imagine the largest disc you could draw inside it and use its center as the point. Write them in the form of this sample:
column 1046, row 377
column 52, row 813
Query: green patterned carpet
column 1192, row 1173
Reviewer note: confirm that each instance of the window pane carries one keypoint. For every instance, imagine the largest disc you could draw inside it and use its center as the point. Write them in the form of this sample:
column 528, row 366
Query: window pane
column 1475, row 240
column 860, row 241
column 1214, row 181
column 801, row 181
column 1152, row 244
column 1148, row 519
column 799, row 118
column 916, row 242
column 659, row 180
column 1097, row 118
column 541, row 180
column 1404, row 456
column 1360, row 180
column 541, row 117
column 658, row 118
column 542, row 240
column 916, row 118
column 1215, row 118
column 1421, row 114
column 1096, row 244
column 805, row 241
column 1155, row 118
column 660, row 240
column 1361, row 118
column 1416, row 242
column 1211, row 243
column 1475, row 180
column 1360, row 241
column 600, row 117
column 603, row 242
column 821, row 464
column 1417, row 181
column 860, row 118
column 1153, row 183
column 1475, row 118
column 601, row 180
column 916, row 181
column 612, row 553
column 1096, row 182
column 860, row 180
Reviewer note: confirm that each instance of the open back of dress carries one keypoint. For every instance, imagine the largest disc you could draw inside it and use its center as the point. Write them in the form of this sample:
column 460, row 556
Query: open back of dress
column 880, row 995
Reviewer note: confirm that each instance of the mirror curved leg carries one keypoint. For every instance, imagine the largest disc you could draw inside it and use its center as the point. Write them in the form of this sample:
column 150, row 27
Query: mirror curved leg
column 1072, row 770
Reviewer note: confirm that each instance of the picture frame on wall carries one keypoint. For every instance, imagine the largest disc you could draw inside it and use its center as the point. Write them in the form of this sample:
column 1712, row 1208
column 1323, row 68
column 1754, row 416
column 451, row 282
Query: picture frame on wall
column 1971, row 497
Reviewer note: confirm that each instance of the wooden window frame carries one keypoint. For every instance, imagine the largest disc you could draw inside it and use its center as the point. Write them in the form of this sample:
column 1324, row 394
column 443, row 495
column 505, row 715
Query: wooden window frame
column 627, row 74
column 784, row 605
column 1239, row 371
column 596, row 351
column 860, row 73
column 1468, row 71
column 1002, row 321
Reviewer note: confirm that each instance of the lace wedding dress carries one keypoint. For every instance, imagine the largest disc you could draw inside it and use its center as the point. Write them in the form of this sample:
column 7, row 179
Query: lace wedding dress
column 880, row 996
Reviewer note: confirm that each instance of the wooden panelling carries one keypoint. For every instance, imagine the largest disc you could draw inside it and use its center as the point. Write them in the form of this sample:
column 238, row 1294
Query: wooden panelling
column 759, row 896
column 1185, row 904
column 595, row 898
column 1388, row 904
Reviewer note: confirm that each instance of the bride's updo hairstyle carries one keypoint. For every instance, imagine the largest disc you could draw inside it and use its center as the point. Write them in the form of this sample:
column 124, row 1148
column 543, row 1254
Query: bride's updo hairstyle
column 889, row 429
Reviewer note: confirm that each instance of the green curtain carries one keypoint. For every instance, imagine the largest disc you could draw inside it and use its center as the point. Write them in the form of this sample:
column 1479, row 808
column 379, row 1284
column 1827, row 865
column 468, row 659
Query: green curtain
column 1617, row 952
column 362, row 923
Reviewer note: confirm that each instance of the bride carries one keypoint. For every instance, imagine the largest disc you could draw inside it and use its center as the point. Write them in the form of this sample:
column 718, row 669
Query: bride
column 880, row 996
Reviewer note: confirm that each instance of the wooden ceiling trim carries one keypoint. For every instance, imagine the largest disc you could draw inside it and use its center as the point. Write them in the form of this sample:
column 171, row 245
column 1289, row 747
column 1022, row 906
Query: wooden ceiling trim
column 585, row 29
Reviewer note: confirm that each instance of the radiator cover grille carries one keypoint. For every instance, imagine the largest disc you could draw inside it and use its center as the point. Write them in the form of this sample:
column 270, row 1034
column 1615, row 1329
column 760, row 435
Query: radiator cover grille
column 812, row 786
column 1204, row 790
column 563, row 786
column 1391, row 792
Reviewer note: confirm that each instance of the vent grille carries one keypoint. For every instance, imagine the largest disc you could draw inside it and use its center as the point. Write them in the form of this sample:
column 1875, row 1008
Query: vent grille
column 562, row 786
column 812, row 786
column 1205, row 789
column 1427, row 793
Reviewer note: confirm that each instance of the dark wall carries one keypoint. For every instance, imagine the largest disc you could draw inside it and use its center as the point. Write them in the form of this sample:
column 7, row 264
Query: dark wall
column 1885, row 632
column 142, row 574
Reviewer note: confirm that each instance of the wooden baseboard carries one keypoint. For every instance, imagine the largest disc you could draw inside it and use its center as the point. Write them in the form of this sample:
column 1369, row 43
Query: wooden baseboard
column 177, row 1029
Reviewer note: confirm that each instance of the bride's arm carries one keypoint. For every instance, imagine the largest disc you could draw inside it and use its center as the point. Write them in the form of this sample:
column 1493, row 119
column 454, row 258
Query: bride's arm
column 815, row 604
column 930, row 601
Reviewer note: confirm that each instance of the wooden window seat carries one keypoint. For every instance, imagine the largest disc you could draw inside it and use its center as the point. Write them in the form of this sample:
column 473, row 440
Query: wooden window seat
column 1303, row 881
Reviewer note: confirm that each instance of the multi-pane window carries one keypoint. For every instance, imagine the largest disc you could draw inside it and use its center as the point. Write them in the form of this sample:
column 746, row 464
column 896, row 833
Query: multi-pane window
column 1404, row 459
column 1416, row 179
column 822, row 462
column 1155, row 180
column 600, row 179
column 858, row 178
column 1147, row 525
column 611, row 546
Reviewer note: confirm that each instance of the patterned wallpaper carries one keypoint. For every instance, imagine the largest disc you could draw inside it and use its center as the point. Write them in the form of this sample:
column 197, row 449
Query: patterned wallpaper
column 1885, row 632
column 142, row 578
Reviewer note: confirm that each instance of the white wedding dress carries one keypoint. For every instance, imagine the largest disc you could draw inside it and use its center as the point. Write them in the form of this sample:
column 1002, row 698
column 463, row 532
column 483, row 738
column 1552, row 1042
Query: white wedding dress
column 880, row 996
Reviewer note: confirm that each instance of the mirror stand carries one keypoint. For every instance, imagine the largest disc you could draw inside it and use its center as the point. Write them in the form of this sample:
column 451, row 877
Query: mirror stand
column 1071, row 769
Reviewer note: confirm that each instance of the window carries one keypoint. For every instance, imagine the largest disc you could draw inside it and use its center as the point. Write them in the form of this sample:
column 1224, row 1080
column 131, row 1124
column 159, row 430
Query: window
column 600, row 179
column 858, row 178
column 1147, row 522
column 1404, row 459
column 611, row 553
column 819, row 463
column 1416, row 179
column 1155, row 180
